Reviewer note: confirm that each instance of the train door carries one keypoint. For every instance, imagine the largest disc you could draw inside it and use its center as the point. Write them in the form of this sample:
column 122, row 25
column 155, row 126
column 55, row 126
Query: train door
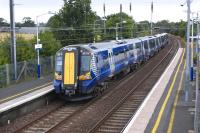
column 158, row 42
column 143, row 50
column 126, row 55
column 111, row 61
column 135, row 51
column 70, row 69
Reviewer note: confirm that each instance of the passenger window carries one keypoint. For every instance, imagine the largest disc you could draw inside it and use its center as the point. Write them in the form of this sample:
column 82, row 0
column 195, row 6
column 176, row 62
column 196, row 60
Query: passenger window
column 85, row 63
column 97, row 59
column 131, row 47
column 138, row 45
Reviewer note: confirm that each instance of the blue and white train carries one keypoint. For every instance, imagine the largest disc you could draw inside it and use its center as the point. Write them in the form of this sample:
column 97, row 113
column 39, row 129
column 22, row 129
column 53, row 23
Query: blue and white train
column 81, row 70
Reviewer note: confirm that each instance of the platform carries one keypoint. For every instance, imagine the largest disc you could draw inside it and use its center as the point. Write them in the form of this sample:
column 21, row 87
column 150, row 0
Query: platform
column 19, row 94
column 17, row 90
column 165, row 109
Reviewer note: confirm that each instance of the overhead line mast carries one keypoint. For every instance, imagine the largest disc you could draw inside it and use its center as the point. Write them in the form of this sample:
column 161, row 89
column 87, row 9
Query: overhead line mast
column 13, row 37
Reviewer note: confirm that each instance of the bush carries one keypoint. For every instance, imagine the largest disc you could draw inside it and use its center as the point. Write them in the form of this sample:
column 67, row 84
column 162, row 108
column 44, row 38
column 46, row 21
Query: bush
column 26, row 48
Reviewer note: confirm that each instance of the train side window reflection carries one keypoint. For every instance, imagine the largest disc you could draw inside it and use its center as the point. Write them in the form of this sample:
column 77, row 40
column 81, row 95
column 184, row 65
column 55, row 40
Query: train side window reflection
column 85, row 63
column 97, row 60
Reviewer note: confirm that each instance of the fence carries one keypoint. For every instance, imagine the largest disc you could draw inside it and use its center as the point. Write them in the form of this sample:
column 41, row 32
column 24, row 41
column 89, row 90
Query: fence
column 26, row 70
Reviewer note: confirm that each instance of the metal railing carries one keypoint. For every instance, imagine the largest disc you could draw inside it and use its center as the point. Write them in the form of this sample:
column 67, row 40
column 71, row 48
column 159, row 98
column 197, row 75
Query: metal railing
column 27, row 70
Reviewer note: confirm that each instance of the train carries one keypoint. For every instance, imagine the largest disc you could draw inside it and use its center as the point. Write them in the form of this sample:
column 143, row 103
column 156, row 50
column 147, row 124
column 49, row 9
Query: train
column 82, row 70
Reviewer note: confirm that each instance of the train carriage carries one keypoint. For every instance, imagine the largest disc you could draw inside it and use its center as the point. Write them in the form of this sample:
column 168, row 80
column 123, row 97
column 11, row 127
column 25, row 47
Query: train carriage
column 81, row 70
column 146, row 47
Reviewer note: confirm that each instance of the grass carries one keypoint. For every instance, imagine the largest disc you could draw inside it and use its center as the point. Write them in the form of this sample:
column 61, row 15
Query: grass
column 5, row 35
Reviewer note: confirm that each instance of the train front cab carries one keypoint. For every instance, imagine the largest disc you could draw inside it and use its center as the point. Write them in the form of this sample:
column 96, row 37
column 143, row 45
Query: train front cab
column 72, row 75
column 66, row 70
column 70, row 70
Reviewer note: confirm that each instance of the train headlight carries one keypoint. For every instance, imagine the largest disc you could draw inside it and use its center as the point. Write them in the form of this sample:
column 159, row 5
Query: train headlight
column 58, row 76
column 86, row 76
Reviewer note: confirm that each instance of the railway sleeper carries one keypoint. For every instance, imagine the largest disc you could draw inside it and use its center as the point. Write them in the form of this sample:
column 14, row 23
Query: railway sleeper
column 107, row 131
column 121, row 115
column 128, row 110
column 118, row 118
column 128, row 107
column 110, row 127
column 124, row 112
column 114, row 123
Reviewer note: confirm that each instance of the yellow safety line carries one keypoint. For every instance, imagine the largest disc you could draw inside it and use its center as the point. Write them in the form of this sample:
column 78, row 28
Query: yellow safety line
column 169, row 130
column 22, row 93
column 155, row 127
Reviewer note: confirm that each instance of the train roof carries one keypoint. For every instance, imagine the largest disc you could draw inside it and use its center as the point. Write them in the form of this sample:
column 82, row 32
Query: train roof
column 101, row 46
column 144, row 38
column 135, row 40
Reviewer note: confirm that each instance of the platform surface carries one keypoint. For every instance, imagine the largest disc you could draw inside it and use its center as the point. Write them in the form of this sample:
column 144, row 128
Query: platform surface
column 5, row 106
column 164, row 109
column 19, row 94
column 17, row 90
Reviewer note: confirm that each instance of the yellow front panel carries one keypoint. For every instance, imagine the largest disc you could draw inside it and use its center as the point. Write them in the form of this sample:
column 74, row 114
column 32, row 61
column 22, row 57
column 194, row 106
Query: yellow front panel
column 72, row 65
column 69, row 68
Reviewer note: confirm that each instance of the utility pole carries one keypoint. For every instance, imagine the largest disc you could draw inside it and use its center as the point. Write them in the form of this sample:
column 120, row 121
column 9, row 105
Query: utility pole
column 13, row 37
column 132, row 18
column 94, row 31
column 116, row 30
column 121, row 21
column 187, row 85
column 151, row 18
column 104, row 10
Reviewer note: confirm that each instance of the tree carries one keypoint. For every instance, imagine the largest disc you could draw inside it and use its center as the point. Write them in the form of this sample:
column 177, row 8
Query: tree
column 3, row 22
column 49, row 44
column 5, row 51
column 178, row 28
column 76, row 13
column 74, row 18
column 127, row 27
column 27, row 22
column 181, row 28
column 143, row 28
column 25, row 49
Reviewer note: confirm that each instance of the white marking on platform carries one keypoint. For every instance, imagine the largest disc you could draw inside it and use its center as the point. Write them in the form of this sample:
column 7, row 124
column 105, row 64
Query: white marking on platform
column 25, row 98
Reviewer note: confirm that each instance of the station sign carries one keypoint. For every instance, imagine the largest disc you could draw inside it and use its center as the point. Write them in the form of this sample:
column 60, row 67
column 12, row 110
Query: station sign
column 38, row 46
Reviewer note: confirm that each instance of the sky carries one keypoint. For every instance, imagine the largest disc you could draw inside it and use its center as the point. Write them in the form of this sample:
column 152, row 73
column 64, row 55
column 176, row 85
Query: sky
column 141, row 9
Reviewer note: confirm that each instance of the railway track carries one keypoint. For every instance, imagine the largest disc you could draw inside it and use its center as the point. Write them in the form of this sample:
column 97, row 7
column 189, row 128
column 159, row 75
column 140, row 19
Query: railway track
column 113, row 111
column 55, row 116
column 51, row 119
column 109, row 112
column 115, row 120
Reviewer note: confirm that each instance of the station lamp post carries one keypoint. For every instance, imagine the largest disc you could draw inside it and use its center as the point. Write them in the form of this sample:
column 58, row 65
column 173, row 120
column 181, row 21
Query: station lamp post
column 38, row 46
column 196, row 119
column 192, row 45
column 116, row 29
